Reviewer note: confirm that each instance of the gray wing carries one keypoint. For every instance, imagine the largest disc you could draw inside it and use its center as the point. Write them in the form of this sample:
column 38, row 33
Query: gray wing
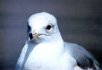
column 83, row 57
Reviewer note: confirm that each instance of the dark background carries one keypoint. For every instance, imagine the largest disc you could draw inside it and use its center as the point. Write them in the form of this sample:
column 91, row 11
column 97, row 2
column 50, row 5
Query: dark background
column 80, row 21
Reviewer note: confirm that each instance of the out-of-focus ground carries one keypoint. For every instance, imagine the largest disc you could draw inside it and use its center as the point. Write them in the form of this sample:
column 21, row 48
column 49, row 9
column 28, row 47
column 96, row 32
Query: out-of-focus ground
column 80, row 21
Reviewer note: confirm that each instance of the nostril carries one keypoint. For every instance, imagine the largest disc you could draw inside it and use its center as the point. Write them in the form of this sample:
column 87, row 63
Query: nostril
column 31, row 36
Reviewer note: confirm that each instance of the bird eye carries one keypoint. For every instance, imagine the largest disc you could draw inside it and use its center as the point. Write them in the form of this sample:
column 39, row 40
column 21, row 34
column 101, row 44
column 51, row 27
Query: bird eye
column 29, row 28
column 48, row 27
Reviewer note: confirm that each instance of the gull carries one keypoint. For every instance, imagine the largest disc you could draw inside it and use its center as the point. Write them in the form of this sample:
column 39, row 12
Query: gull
column 46, row 50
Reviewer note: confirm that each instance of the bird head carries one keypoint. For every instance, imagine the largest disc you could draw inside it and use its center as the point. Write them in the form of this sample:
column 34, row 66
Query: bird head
column 42, row 27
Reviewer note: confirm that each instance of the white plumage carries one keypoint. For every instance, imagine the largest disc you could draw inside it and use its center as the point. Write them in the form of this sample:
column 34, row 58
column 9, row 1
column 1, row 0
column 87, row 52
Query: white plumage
column 45, row 49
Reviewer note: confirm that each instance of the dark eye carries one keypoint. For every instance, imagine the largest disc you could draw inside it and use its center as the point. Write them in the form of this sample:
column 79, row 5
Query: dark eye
column 29, row 28
column 48, row 27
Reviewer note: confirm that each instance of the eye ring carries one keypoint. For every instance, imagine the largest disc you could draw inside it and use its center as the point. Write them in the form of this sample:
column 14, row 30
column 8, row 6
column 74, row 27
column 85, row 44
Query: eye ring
column 48, row 27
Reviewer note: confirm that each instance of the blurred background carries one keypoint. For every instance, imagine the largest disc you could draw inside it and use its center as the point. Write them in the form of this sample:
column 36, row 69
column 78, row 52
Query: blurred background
column 80, row 21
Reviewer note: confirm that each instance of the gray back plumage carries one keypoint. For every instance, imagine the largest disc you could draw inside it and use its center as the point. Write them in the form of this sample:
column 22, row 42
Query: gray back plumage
column 84, row 58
